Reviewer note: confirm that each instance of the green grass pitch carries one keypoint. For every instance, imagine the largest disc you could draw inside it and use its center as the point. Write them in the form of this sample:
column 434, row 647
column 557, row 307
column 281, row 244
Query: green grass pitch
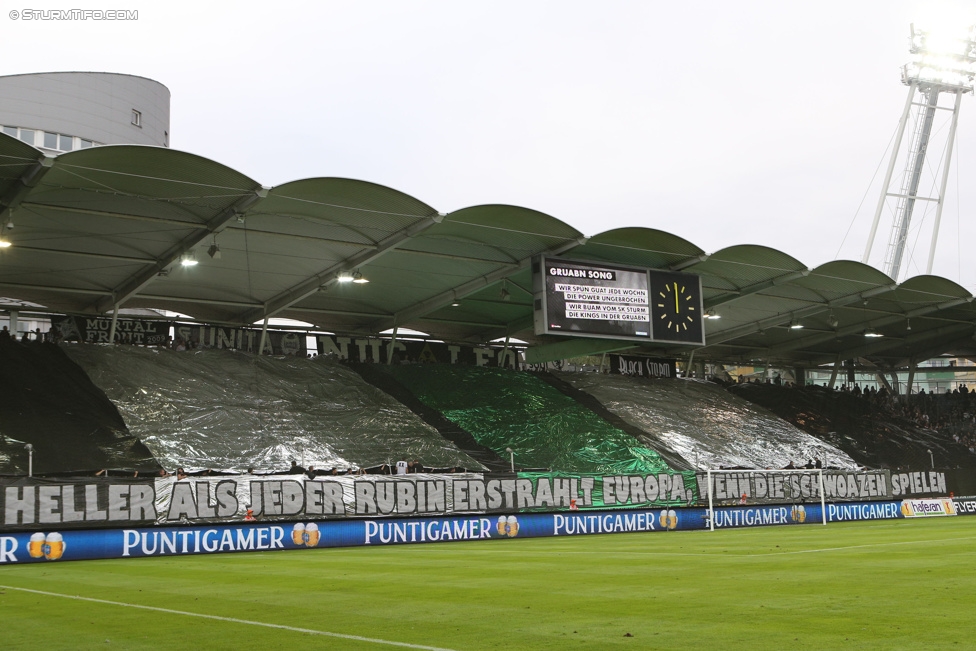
column 870, row 585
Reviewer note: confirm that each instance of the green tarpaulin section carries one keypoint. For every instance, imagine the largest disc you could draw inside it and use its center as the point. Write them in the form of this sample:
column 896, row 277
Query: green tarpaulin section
column 512, row 409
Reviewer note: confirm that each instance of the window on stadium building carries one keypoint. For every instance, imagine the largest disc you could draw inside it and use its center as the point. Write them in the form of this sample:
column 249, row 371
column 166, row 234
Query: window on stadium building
column 55, row 141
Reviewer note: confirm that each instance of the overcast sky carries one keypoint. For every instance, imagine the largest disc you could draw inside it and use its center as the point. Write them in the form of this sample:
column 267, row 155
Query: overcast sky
column 723, row 122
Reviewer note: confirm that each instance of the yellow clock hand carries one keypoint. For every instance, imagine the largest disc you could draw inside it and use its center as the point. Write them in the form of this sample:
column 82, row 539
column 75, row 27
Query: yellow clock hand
column 677, row 308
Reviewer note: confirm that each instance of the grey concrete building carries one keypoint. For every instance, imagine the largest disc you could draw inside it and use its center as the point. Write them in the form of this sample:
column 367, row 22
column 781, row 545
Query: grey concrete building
column 64, row 111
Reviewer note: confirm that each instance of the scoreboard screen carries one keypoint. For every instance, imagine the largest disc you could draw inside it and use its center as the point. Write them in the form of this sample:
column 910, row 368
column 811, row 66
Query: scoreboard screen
column 576, row 298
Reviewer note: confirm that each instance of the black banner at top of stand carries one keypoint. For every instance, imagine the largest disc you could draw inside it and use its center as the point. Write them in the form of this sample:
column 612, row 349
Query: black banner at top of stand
column 141, row 332
column 642, row 366
column 372, row 349
column 151, row 332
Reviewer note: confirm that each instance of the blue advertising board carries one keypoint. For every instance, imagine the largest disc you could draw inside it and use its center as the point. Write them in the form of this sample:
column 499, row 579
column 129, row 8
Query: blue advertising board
column 73, row 544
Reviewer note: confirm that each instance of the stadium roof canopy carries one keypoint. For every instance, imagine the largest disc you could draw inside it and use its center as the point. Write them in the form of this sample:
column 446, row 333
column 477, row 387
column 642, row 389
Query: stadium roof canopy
column 107, row 226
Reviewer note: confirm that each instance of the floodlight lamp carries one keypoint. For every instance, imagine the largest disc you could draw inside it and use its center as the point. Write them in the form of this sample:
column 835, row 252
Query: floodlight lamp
column 4, row 243
column 344, row 278
column 945, row 56
column 935, row 75
column 872, row 334
column 711, row 315
column 188, row 260
column 832, row 321
column 505, row 295
column 214, row 251
column 358, row 279
column 945, row 39
column 455, row 304
column 796, row 325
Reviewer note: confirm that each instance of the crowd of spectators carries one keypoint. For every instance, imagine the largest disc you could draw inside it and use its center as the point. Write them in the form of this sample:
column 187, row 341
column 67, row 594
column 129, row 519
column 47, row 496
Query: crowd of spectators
column 952, row 413
column 179, row 344
column 53, row 336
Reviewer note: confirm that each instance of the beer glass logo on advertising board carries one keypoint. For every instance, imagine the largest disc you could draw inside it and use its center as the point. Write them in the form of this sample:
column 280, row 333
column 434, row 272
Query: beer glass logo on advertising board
column 50, row 546
column 305, row 534
column 508, row 526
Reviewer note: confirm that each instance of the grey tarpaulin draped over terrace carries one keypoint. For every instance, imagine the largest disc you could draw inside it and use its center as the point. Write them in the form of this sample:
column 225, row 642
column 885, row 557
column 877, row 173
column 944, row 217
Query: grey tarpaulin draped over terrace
column 230, row 411
column 706, row 424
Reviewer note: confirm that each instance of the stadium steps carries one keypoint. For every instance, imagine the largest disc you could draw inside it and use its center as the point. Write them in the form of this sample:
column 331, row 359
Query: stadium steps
column 675, row 460
column 503, row 409
column 50, row 402
column 450, row 430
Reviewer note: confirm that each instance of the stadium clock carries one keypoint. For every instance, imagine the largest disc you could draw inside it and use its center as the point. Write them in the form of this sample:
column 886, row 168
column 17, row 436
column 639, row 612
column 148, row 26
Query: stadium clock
column 676, row 307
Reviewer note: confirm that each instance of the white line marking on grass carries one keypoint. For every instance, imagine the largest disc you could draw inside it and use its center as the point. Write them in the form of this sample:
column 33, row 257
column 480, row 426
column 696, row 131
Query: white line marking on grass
column 724, row 554
column 885, row 544
column 233, row 620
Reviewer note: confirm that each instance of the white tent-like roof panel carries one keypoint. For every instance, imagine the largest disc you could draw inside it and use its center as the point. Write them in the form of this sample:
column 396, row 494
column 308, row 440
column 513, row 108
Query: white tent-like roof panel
column 108, row 226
